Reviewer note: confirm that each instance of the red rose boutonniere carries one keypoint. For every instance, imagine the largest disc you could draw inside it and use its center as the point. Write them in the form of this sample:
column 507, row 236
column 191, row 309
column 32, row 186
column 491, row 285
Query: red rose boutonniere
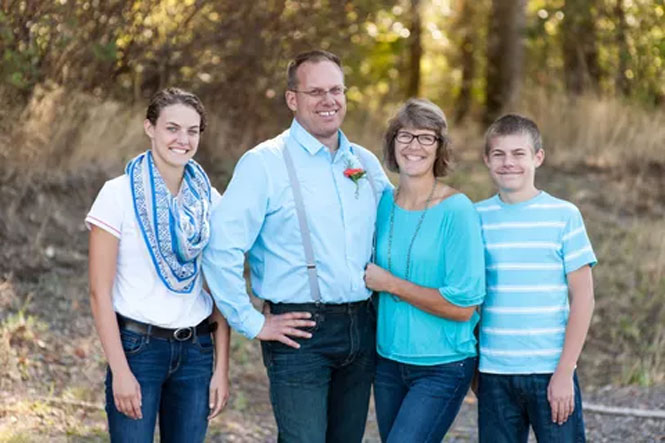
column 354, row 174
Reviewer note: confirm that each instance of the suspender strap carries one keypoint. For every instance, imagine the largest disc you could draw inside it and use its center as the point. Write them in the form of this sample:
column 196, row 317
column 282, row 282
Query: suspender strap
column 304, row 227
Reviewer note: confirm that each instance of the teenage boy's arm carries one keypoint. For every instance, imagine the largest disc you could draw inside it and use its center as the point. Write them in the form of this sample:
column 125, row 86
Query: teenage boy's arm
column 560, row 392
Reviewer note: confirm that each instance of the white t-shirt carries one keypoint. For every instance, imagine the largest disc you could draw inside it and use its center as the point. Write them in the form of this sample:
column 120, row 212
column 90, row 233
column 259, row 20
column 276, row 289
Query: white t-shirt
column 138, row 292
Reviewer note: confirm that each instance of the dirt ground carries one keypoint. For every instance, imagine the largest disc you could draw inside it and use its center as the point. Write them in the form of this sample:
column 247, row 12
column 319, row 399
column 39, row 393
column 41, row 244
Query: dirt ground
column 52, row 368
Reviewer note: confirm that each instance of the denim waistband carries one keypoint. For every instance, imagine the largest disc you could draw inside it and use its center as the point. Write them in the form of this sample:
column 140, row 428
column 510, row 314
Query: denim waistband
column 331, row 308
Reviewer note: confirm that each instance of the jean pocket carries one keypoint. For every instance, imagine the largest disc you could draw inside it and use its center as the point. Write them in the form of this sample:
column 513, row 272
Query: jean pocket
column 204, row 343
column 132, row 343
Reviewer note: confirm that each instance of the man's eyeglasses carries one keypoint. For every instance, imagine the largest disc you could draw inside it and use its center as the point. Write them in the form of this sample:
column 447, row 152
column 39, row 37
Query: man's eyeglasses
column 423, row 139
column 335, row 91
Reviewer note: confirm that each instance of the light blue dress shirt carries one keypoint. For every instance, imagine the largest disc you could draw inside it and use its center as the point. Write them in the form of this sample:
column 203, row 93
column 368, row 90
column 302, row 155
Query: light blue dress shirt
column 257, row 214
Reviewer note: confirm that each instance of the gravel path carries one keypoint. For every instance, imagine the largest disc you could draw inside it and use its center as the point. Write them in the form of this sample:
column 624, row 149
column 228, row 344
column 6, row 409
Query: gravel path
column 599, row 427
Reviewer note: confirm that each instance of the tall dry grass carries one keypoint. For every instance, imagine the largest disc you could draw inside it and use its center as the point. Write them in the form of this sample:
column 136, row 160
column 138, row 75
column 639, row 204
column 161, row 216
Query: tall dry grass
column 64, row 132
column 598, row 132
column 60, row 131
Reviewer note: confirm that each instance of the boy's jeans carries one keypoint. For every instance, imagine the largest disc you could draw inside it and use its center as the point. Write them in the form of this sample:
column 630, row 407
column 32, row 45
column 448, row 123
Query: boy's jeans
column 320, row 392
column 175, row 379
column 507, row 404
column 419, row 403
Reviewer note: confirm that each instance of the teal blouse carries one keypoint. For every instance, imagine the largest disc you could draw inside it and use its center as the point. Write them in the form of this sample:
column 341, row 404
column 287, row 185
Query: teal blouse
column 447, row 254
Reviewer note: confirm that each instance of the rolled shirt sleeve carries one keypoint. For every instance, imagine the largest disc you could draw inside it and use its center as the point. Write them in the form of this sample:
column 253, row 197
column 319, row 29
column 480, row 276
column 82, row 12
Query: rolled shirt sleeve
column 465, row 260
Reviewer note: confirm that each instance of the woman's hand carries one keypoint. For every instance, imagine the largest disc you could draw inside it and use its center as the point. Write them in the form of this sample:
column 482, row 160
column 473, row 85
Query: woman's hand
column 378, row 279
column 127, row 394
column 219, row 392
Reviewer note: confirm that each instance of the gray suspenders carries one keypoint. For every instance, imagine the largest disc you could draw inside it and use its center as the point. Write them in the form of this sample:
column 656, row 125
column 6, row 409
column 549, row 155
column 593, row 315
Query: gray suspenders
column 304, row 227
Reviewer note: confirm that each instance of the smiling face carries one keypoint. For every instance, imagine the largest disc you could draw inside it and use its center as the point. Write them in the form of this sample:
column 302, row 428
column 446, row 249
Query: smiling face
column 320, row 116
column 174, row 136
column 415, row 159
column 512, row 164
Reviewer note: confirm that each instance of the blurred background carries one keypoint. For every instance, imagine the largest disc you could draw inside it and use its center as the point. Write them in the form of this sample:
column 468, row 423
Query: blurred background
column 78, row 74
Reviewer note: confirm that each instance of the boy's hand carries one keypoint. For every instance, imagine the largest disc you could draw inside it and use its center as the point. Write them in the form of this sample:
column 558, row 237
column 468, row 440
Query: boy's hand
column 561, row 395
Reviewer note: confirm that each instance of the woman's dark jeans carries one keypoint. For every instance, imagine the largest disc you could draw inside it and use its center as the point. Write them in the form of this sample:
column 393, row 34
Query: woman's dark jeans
column 174, row 378
column 419, row 403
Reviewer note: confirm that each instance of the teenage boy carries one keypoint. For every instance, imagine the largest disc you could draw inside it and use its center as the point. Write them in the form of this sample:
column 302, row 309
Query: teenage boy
column 539, row 297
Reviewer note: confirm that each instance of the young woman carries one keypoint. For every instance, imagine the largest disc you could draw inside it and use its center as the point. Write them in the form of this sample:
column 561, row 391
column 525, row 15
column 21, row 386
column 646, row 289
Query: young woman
column 148, row 228
column 430, row 276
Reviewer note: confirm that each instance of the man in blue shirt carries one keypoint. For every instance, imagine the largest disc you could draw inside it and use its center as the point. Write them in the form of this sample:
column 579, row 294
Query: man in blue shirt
column 316, row 329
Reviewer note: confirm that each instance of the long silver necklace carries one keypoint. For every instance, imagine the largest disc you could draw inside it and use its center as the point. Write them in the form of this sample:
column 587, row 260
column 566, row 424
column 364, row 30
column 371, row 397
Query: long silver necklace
column 413, row 239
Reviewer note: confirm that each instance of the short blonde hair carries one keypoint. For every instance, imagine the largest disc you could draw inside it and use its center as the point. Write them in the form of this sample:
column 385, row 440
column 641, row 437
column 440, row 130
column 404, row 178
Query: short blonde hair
column 511, row 124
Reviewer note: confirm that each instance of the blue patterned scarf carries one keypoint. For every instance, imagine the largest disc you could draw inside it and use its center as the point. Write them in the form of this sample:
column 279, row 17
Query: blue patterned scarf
column 175, row 229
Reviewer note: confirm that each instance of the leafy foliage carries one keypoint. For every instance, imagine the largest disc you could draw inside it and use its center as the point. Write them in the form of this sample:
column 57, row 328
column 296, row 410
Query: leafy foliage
column 234, row 53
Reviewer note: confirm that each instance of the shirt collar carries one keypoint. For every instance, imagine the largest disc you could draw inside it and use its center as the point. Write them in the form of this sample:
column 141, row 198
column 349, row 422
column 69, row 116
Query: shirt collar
column 311, row 144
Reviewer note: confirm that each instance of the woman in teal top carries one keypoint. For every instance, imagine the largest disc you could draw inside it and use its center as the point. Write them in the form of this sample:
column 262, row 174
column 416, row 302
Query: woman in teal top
column 430, row 275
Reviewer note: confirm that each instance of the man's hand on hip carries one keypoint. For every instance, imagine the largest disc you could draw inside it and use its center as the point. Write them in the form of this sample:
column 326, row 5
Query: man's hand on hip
column 282, row 327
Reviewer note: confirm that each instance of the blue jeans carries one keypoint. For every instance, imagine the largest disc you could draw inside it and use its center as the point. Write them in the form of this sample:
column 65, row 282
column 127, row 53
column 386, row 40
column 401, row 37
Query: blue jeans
column 174, row 378
column 419, row 403
column 320, row 392
column 507, row 404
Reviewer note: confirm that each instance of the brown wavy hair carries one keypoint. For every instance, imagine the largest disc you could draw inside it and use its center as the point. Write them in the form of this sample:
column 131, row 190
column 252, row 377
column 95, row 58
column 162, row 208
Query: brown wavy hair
column 419, row 113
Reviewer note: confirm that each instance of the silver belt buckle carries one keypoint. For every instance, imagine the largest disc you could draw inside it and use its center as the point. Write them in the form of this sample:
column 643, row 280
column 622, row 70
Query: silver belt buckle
column 183, row 334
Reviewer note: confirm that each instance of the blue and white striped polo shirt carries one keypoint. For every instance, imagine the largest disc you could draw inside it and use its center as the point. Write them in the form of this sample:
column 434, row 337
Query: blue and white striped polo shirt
column 529, row 249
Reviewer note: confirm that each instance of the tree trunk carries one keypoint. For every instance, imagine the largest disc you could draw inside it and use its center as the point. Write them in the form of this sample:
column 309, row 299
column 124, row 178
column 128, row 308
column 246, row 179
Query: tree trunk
column 505, row 56
column 466, row 22
column 622, row 83
column 580, row 54
column 415, row 51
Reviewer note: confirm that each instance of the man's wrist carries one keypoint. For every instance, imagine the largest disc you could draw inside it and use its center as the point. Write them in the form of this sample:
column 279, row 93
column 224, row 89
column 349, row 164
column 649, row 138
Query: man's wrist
column 252, row 325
